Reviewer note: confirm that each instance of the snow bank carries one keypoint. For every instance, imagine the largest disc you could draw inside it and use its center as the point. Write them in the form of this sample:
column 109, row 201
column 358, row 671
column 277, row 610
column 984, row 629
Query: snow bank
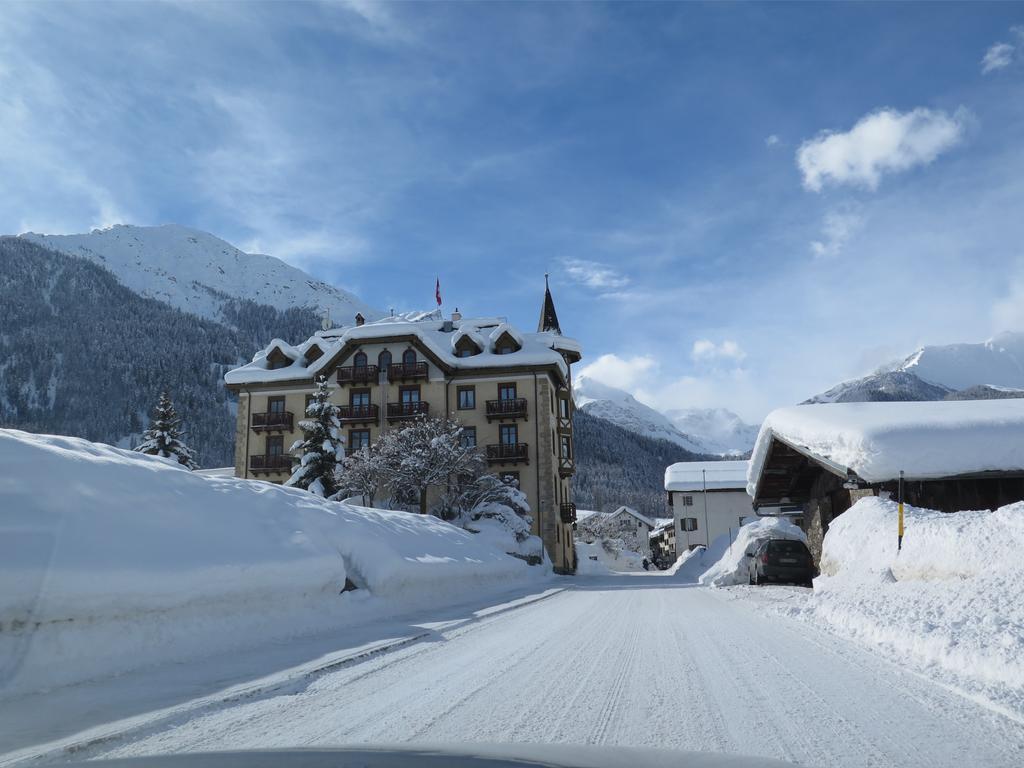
column 877, row 440
column 112, row 560
column 731, row 565
column 949, row 603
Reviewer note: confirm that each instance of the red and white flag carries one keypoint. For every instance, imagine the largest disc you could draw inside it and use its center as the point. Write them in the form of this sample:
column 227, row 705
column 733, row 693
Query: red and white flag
column 437, row 292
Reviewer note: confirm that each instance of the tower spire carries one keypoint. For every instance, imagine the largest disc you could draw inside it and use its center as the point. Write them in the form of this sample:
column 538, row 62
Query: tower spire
column 548, row 316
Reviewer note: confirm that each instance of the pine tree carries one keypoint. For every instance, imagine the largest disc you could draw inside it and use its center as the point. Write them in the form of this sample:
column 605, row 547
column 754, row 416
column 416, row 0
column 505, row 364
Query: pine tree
column 164, row 436
column 322, row 446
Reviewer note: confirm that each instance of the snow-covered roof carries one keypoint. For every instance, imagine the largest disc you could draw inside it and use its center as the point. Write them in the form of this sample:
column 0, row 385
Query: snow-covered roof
column 878, row 440
column 428, row 328
column 712, row 475
column 630, row 511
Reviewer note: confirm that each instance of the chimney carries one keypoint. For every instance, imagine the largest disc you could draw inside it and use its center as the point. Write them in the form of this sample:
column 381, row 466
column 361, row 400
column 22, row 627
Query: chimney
column 456, row 315
column 360, row 319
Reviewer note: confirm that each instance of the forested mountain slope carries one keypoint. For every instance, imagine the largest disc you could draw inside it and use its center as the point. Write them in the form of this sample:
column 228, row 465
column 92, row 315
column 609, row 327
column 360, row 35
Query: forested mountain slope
column 81, row 354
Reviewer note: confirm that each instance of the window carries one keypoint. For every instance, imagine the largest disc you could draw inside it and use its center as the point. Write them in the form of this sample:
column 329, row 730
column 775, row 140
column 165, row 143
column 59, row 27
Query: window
column 275, row 446
column 467, row 398
column 507, row 391
column 509, row 434
column 358, row 438
column 687, row 501
column 566, row 447
column 466, row 347
column 688, row 524
column 409, row 357
column 506, row 345
column 409, row 394
column 563, row 408
column 639, row 524
column 278, row 359
column 359, row 398
column 275, row 404
column 468, row 437
column 359, row 361
column 384, row 360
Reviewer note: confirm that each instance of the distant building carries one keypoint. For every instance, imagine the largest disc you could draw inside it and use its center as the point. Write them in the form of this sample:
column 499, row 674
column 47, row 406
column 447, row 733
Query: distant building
column 512, row 392
column 663, row 540
column 954, row 455
column 708, row 499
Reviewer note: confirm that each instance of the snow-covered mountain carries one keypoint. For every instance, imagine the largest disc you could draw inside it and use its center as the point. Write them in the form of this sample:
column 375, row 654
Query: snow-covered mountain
column 194, row 271
column 988, row 369
column 719, row 430
column 707, row 431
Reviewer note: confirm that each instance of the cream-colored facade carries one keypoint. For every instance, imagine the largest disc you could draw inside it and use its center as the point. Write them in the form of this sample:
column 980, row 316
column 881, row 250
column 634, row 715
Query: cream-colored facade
column 517, row 408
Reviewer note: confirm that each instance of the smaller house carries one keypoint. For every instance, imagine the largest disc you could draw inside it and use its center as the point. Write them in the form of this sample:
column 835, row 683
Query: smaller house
column 708, row 499
column 663, row 540
column 953, row 454
column 624, row 523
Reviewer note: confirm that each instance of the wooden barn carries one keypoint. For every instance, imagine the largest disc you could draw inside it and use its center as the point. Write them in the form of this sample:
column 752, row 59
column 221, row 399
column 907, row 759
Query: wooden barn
column 954, row 455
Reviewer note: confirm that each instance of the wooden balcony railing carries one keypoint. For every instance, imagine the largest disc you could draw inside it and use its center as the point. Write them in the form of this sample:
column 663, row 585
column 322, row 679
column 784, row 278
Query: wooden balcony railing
column 407, row 410
column 358, row 374
column 405, row 371
column 270, row 462
column 349, row 414
column 270, row 420
column 514, row 408
column 567, row 512
column 508, row 453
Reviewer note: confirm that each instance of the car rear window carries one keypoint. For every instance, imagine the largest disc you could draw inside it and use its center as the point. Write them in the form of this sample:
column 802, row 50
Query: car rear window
column 787, row 547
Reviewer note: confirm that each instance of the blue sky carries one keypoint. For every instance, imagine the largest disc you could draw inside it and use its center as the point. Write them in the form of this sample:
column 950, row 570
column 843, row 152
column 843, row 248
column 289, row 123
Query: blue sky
column 739, row 205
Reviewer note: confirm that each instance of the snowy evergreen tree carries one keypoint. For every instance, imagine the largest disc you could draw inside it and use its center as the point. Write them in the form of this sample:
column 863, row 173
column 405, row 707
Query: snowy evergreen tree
column 164, row 437
column 490, row 497
column 322, row 445
column 428, row 453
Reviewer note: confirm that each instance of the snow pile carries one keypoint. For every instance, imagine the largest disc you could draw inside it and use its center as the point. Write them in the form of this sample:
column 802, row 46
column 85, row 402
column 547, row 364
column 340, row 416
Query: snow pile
column 603, row 557
column 112, row 560
column 731, row 565
column 950, row 602
column 923, row 439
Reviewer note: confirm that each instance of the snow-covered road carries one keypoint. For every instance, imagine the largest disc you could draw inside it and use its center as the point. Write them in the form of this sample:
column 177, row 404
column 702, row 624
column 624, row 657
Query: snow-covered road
column 636, row 660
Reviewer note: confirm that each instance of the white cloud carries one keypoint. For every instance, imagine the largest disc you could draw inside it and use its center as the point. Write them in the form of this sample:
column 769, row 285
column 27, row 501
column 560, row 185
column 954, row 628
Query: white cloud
column 836, row 230
column 624, row 373
column 594, row 274
column 1008, row 312
column 706, row 350
column 886, row 141
column 771, row 141
column 999, row 56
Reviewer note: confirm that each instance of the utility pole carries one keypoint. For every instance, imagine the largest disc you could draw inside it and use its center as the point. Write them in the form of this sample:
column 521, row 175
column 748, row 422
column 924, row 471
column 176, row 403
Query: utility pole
column 899, row 529
column 707, row 528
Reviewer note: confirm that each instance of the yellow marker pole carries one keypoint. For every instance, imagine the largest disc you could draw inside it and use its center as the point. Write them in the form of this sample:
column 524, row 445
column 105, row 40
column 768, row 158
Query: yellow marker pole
column 899, row 531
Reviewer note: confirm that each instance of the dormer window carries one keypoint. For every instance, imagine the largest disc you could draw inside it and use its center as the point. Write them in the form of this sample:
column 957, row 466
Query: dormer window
column 277, row 359
column 313, row 354
column 506, row 345
column 466, row 347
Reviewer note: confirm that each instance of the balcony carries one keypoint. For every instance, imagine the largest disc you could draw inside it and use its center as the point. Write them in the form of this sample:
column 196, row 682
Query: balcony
column 508, row 453
column 270, row 462
column 358, row 414
column 514, row 408
column 407, row 371
column 567, row 512
column 269, row 421
column 358, row 374
column 398, row 411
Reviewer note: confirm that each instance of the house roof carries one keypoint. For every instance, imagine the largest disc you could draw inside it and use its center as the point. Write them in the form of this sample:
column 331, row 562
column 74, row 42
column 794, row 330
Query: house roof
column 875, row 441
column 632, row 512
column 713, row 475
column 426, row 330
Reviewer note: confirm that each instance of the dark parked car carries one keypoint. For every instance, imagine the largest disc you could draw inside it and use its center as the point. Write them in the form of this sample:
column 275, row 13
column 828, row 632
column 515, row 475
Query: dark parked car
column 782, row 561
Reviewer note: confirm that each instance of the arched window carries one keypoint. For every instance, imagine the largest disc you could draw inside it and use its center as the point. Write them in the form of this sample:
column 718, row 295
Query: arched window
column 409, row 357
column 384, row 360
column 359, row 361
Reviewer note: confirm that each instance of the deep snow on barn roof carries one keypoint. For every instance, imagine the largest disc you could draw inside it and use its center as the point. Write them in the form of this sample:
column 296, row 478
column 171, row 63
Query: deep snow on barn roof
column 925, row 440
